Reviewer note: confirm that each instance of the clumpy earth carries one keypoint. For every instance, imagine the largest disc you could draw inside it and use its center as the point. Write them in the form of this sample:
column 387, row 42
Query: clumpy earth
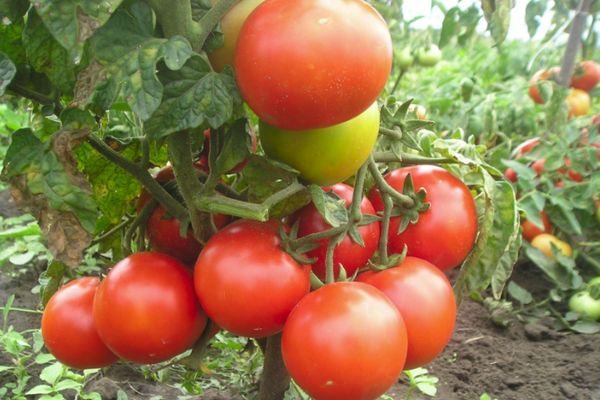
column 525, row 361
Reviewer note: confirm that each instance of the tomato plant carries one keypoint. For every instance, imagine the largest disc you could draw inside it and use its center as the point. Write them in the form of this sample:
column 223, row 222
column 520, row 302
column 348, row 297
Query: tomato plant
column 328, row 155
column 444, row 234
column 586, row 75
column 344, row 341
column 294, row 61
column 231, row 24
column 146, row 310
column 425, row 299
column 245, row 282
column 68, row 327
column 347, row 253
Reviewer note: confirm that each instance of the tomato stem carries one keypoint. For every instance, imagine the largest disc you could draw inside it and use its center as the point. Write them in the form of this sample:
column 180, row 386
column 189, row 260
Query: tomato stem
column 194, row 360
column 577, row 27
column 403, row 200
column 175, row 18
column 139, row 222
column 275, row 379
column 385, row 228
column 409, row 159
column 357, row 195
column 212, row 18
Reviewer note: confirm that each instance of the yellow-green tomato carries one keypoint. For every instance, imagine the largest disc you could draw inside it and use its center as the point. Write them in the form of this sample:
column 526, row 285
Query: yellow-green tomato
column 324, row 156
column 231, row 23
column 543, row 242
column 584, row 304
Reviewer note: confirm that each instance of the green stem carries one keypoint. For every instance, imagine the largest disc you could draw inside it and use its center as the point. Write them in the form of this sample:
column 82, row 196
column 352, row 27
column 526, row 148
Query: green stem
column 22, row 310
column 212, row 18
column 404, row 200
column 329, row 271
column 139, row 221
column 357, row 196
column 409, row 159
column 111, row 231
column 35, row 96
column 194, row 360
column 398, row 80
column 145, row 163
column 393, row 133
column 577, row 27
column 172, row 206
column 175, row 18
column 180, row 155
column 313, row 237
column 275, row 379
column 385, row 228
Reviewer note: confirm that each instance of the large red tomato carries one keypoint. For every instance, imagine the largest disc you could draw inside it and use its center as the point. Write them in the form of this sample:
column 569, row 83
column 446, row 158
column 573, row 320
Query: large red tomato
column 586, row 75
column 308, row 64
column 348, row 253
column 425, row 299
column 530, row 230
column 446, row 232
column 146, row 310
column 246, row 283
column 68, row 328
column 344, row 341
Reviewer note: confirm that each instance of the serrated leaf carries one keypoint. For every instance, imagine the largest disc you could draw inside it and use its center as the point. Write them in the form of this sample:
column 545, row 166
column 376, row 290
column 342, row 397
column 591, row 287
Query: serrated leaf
column 72, row 22
column 46, row 55
column 493, row 255
column 194, row 95
column 130, row 54
column 7, row 72
column 329, row 205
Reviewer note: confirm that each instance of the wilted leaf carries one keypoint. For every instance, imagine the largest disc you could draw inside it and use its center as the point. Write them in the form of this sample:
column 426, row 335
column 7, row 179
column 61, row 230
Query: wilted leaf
column 497, row 15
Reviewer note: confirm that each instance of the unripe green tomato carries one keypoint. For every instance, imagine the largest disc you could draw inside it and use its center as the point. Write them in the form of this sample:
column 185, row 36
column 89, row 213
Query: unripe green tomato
column 466, row 89
column 404, row 58
column 430, row 56
column 324, row 156
column 584, row 304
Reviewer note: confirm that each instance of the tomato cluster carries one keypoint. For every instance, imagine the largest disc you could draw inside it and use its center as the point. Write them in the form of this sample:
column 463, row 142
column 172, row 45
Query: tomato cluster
column 586, row 77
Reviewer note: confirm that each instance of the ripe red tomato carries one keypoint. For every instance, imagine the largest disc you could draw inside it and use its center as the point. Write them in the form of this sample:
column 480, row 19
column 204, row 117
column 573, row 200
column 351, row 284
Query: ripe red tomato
column 425, row 299
column 344, row 341
column 246, row 283
column 530, row 230
column 349, row 254
column 446, row 232
column 146, row 310
column 328, row 155
column 68, row 328
column 308, row 64
column 231, row 24
column 538, row 166
column 525, row 147
column 511, row 175
column 578, row 102
column 586, row 75
column 537, row 78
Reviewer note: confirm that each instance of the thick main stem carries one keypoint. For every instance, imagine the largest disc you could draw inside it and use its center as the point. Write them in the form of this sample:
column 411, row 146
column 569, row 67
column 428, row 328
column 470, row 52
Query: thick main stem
column 175, row 18
column 577, row 27
column 275, row 379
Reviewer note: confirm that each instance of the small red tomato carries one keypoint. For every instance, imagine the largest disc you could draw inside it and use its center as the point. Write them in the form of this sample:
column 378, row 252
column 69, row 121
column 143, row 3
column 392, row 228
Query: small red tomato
column 348, row 253
column 146, row 310
column 68, row 327
column 511, row 175
column 425, row 299
column 245, row 282
column 586, row 75
column 530, row 230
column 538, row 166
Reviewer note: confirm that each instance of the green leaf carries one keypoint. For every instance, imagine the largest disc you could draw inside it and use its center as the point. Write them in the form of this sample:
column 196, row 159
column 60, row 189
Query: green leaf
column 564, row 275
column 40, row 389
column 497, row 15
column 519, row 293
column 51, row 280
column 329, row 205
column 121, row 395
column 588, row 327
column 36, row 162
column 113, row 190
column 533, row 15
column 31, row 229
column 22, row 258
column 52, row 373
column 14, row 343
column 194, row 95
column 427, row 388
column 130, row 54
column 7, row 72
column 449, row 26
column 67, row 384
column 44, row 358
column 234, row 146
column 46, row 55
column 11, row 42
column 72, row 22
column 493, row 255
column 13, row 10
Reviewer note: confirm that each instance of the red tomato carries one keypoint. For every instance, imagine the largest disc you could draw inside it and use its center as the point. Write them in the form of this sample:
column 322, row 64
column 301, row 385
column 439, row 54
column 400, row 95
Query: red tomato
column 538, row 166
column 425, row 299
column 511, row 175
column 308, row 64
column 68, row 328
column 446, row 232
column 146, row 310
column 344, row 341
column 586, row 75
column 574, row 175
column 542, row 75
column 525, row 147
column 530, row 230
column 349, row 254
column 246, row 283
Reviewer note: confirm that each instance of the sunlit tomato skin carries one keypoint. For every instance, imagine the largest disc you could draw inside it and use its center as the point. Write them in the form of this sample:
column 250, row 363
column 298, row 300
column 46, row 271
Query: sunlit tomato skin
column 328, row 155
column 586, row 75
column 445, row 233
column 68, row 327
column 349, row 254
column 246, row 283
column 511, row 175
column 231, row 24
column 146, row 310
column 309, row 64
column 525, row 147
column 425, row 299
column 530, row 230
column 578, row 102
column 544, row 241
column 344, row 341
column 537, row 78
